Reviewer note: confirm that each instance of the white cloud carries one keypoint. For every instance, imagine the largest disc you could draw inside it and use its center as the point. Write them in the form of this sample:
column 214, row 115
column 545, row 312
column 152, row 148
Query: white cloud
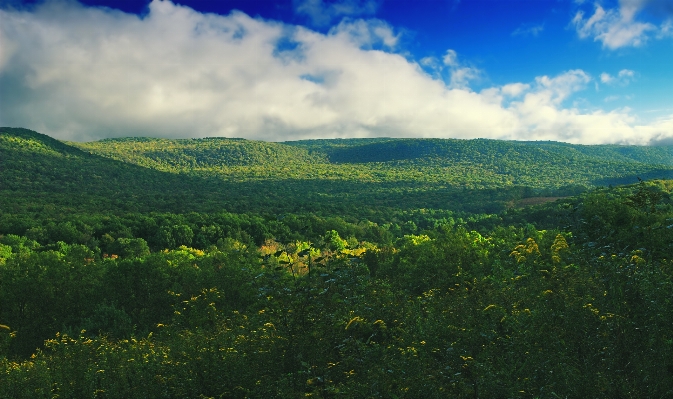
column 658, row 133
column 430, row 62
column 451, row 58
column 460, row 75
column 366, row 34
column 82, row 73
column 666, row 30
column 618, row 27
column 626, row 74
column 623, row 77
column 321, row 13
column 514, row 89
column 528, row 30
column 451, row 69
column 559, row 88
column 614, row 28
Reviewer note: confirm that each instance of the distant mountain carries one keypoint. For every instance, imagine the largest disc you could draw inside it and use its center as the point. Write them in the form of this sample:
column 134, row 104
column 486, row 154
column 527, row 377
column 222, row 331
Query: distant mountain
column 530, row 163
column 165, row 154
column 480, row 151
column 349, row 176
column 536, row 164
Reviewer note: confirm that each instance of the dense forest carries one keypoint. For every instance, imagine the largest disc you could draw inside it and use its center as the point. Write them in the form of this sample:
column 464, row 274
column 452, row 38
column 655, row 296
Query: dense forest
column 359, row 268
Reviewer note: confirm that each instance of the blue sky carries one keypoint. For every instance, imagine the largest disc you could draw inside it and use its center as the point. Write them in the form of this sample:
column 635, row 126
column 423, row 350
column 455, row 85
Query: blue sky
column 578, row 71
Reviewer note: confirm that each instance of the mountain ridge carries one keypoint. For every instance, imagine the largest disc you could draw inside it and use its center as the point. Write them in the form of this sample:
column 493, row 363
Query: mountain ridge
column 384, row 149
column 375, row 158
column 333, row 176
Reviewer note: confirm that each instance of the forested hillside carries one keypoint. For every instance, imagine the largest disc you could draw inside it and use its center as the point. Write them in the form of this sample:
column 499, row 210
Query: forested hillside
column 471, row 163
column 372, row 268
column 171, row 155
column 479, row 151
column 367, row 176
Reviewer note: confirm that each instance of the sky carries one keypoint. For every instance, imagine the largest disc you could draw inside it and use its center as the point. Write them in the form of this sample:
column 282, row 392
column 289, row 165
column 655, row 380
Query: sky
column 577, row 71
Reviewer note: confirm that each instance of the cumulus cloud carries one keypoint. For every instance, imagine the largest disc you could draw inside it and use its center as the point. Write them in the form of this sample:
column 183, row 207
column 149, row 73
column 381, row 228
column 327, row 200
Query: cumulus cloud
column 321, row 13
column 82, row 73
column 614, row 28
column 459, row 74
column 366, row 34
column 514, row 89
column 618, row 27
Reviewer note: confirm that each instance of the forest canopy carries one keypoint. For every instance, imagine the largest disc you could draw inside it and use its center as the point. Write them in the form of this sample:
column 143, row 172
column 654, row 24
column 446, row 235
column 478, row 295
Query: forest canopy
column 356, row 268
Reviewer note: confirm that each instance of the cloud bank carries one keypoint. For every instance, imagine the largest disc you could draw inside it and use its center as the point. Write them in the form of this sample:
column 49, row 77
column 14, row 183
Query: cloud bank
column 81, row 73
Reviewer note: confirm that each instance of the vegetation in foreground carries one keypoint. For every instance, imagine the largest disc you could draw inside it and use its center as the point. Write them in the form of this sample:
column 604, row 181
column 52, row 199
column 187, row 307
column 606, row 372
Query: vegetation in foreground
column 564, row 299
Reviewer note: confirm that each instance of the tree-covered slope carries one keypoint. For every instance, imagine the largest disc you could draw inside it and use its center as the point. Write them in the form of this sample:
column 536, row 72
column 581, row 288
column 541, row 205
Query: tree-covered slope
column 38, row 172
column 476, row 163
column 165, row 154
column 588, row 164
column 41, row 175
column 662, row 155
column 479, row 150
column 360, row 177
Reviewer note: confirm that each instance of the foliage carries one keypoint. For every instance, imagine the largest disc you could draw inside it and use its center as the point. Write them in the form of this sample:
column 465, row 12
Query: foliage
column 146, row 292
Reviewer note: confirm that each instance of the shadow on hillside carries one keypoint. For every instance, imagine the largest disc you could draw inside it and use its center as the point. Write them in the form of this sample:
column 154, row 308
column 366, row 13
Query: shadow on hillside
column 632, row 179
